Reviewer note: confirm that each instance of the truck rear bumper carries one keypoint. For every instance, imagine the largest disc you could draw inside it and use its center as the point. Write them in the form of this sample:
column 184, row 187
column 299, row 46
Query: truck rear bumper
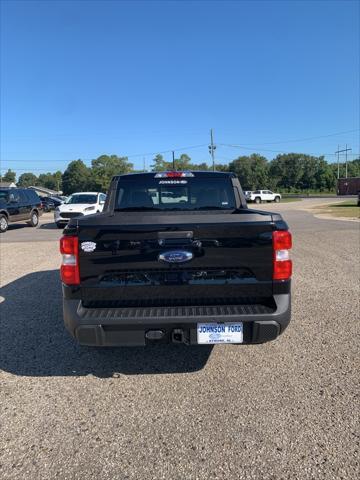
column 137, row 327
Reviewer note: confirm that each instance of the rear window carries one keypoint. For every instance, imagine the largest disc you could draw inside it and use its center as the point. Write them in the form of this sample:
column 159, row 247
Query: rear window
column 152, row 193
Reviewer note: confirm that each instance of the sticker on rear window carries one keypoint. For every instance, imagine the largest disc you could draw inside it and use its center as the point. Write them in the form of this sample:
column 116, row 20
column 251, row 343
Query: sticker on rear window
column 173, row 182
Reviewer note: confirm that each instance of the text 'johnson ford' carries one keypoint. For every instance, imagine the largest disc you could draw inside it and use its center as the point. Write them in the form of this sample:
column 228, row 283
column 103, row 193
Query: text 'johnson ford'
column 176, row 257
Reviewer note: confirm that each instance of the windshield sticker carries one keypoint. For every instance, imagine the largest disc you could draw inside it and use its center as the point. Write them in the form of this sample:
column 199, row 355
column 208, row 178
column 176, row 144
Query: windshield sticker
column 88, row 246
column 173, row 182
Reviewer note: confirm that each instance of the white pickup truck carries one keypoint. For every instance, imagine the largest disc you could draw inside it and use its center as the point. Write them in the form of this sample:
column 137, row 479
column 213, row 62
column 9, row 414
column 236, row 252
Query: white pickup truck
column 259, row 196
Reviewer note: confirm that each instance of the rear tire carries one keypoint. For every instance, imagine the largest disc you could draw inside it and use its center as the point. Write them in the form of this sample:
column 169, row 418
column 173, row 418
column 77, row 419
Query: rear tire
column 277, row 199
column 4, row 223
column 34, row 219
column 257, row 200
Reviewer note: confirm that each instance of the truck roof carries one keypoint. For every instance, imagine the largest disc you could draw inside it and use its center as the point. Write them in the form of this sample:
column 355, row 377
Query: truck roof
column 197, row 173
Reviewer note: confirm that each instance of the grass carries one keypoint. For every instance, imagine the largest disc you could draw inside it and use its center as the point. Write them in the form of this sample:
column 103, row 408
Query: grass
column 313, row 193
column 348, row 209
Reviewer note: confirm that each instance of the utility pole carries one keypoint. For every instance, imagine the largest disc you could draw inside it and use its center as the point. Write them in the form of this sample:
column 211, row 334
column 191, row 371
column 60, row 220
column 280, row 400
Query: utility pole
column 338, row 161
column 346, row 149
column 173, row 158
column 212, row 149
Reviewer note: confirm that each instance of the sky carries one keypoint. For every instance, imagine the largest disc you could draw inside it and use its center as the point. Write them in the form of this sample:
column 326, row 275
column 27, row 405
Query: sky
column 85, row 78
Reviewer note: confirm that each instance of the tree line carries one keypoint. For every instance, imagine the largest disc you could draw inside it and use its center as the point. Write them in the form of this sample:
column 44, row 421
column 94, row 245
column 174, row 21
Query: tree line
column 287, row 173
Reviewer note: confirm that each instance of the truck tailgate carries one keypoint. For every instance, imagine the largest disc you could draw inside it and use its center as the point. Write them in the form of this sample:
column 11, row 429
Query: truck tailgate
column 232, row 259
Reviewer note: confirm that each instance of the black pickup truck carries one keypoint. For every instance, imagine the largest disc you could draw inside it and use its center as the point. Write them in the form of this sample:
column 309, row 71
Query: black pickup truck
column 176, row 257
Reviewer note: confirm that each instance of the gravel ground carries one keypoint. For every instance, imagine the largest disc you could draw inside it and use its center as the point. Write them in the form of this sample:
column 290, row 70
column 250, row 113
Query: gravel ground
column 283, row 410
column 21, row 232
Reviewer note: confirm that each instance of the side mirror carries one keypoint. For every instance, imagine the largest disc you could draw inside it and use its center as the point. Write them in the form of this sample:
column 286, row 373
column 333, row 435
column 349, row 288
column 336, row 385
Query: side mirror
column 102, row 202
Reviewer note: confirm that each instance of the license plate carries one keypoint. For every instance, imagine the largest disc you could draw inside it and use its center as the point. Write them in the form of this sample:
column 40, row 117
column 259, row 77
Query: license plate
column 231, row 332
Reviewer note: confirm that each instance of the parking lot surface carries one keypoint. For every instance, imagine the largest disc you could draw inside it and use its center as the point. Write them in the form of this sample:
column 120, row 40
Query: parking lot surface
column 21, row 232
column 282, row 410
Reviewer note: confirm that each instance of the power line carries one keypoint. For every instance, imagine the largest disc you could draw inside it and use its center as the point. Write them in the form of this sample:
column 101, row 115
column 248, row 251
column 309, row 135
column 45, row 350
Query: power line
column 231, row 145
column 346, row 150
column 245, row 146
column 47, row 161
column 190, row 147
column 170, row 151
column 225, row 158
column 306, row 138
column 273, row 151
column 27, row 170
column 179, row 149
column 50, row 166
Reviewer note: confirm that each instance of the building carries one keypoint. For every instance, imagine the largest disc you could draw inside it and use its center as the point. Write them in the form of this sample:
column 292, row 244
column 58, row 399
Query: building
column 7, row 185
column 348, row 186
column 46, row 192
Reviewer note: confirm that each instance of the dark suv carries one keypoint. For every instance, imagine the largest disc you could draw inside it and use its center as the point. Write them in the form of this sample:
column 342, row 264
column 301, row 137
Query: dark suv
column 17, row 205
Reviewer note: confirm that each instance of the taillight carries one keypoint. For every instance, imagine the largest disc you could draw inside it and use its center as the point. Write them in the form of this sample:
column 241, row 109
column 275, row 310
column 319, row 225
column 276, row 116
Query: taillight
column 69, row 270
column 282, row 243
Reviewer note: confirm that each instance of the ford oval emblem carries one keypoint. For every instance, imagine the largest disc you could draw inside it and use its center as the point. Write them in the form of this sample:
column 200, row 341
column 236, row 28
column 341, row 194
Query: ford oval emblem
column 175, row 256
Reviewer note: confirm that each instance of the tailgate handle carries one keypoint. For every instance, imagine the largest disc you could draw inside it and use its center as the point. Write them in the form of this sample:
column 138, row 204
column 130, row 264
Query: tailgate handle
column 173, row 239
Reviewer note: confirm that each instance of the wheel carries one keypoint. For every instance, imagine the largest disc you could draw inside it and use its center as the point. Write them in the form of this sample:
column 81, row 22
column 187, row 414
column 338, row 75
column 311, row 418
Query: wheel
column 4, row 223
column 277, row 199
column 59, row 225
column 257, row 200
column 34, row 219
